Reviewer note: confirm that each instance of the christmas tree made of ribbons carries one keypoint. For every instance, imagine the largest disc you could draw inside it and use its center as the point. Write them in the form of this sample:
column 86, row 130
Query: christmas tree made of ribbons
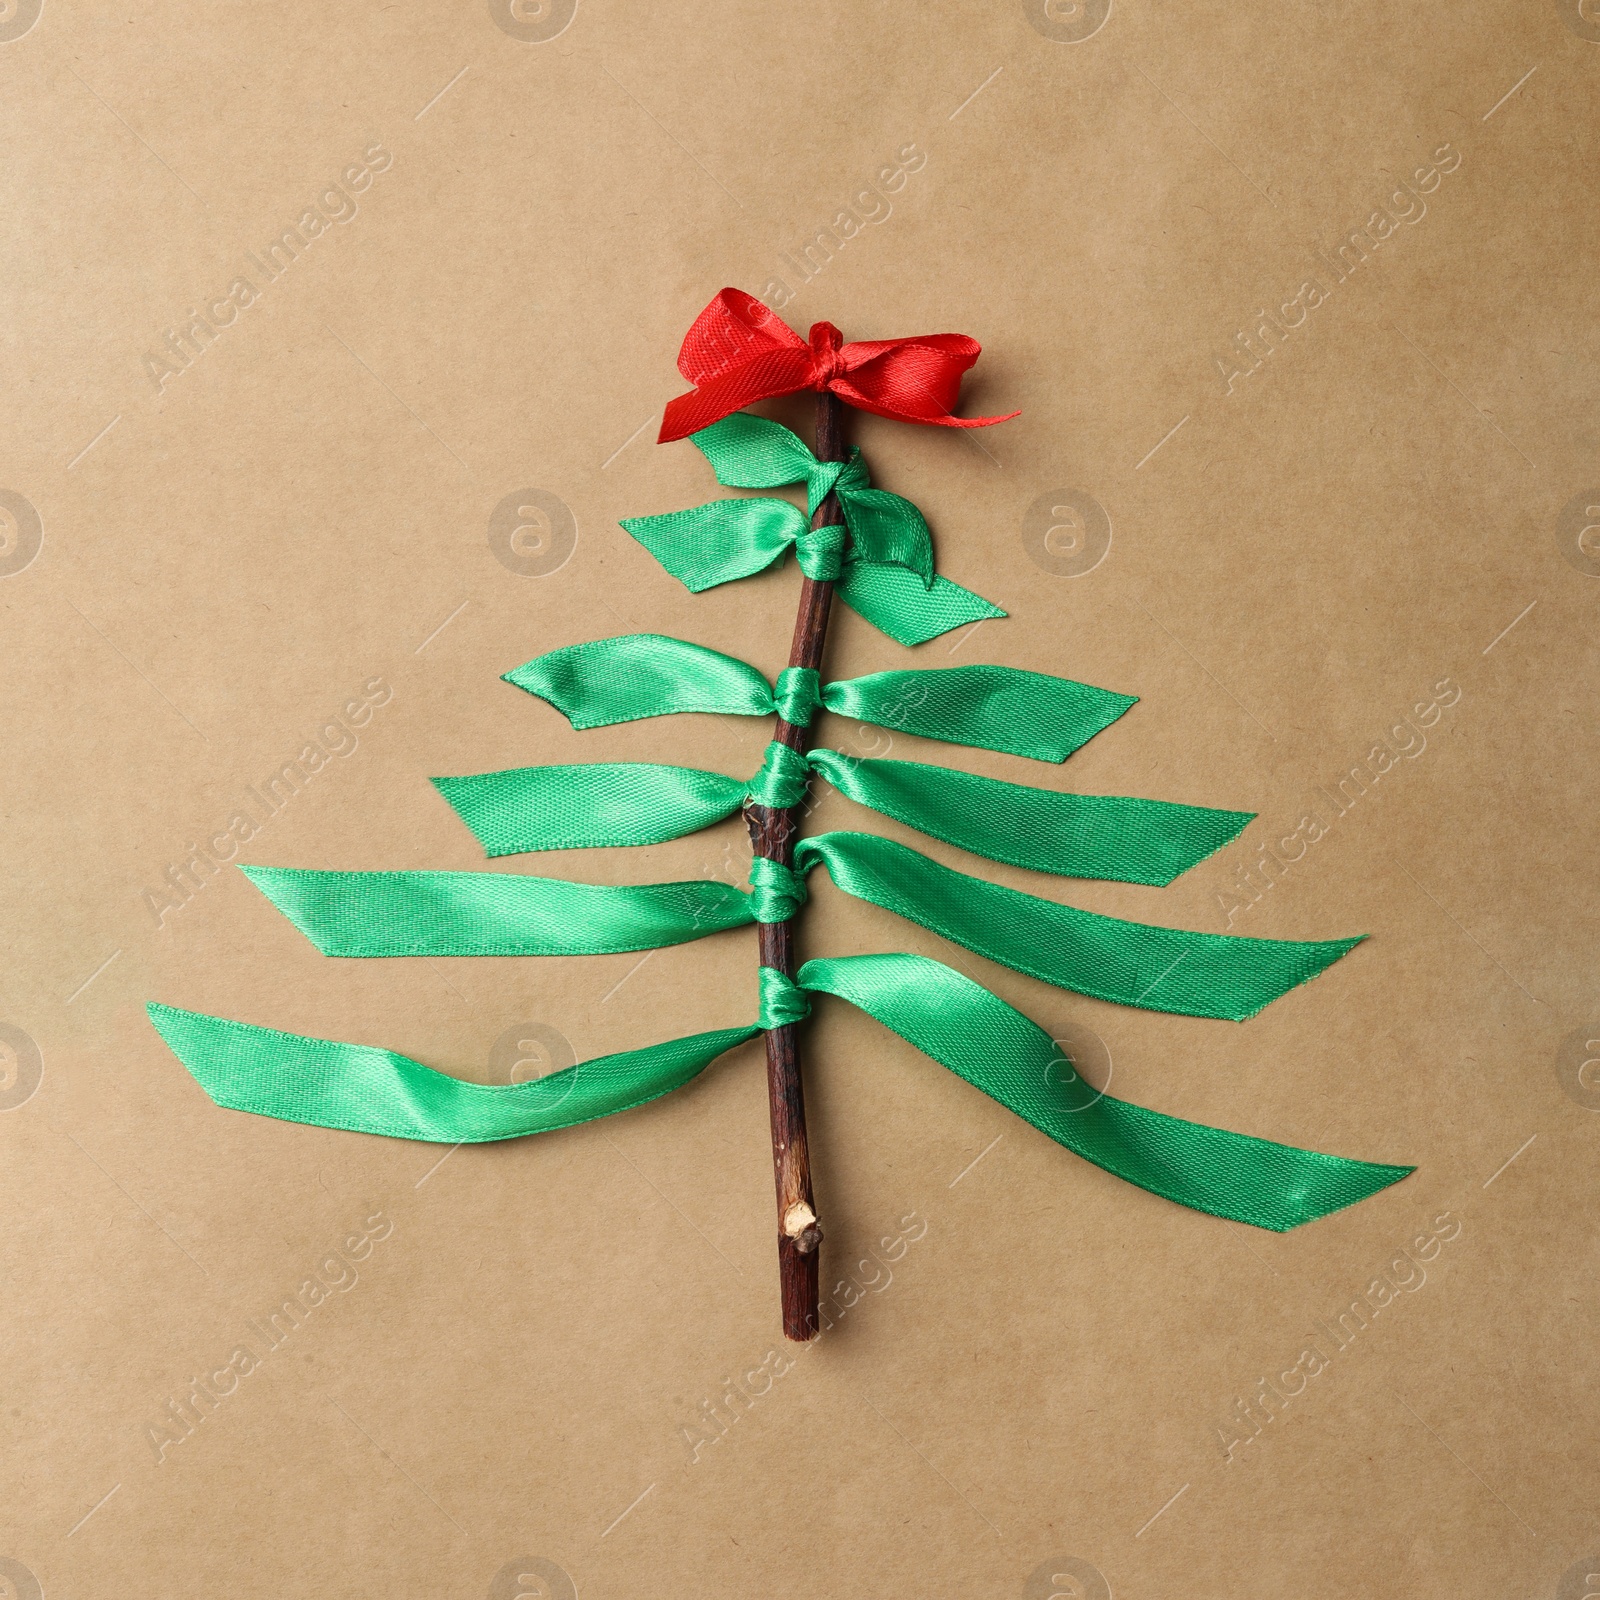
column 872, row 549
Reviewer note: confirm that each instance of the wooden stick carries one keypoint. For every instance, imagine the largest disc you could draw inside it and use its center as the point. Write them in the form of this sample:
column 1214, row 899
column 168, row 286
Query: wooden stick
column 772, row 834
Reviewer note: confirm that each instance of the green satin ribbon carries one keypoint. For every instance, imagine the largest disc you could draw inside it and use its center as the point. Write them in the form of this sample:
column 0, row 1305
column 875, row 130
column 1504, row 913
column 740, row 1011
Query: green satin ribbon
column 1114, row 837
column 638, row 675
column 1013, row 1060
column 946, row 1016
column 494, row 914
column 363, row 1089
column 1127, row 963
column 886, row 574
column 750, row 452
column 781, row 780
column 1108, row 958
column 1009, row 709
column 883, row 567
column 894, row 601
column 597, row 803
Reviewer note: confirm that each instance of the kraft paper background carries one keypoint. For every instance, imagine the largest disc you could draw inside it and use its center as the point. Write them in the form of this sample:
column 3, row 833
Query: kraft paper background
column 1343, row 541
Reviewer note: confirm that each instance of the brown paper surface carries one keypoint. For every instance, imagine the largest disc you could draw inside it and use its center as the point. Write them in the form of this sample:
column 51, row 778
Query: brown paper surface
column 304, row 305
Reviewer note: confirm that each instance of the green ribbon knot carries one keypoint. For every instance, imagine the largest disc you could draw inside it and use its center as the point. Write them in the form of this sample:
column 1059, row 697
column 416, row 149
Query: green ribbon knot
column 948, row 1017
column 508, row 914
column 783, row 1001
column 886, row 571
column 1119, row 838
column 749, row 452
column 820, row 552
column 776, row 891
column 798, row 695
column 781, row 780
column 822, row 478
column 607, row 681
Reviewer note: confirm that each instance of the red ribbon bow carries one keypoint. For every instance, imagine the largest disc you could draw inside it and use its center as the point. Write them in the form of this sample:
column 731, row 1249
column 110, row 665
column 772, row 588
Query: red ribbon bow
column 738, row 352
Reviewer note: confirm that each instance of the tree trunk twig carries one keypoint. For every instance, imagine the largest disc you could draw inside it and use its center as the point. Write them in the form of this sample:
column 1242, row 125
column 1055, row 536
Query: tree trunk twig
column 772, row 834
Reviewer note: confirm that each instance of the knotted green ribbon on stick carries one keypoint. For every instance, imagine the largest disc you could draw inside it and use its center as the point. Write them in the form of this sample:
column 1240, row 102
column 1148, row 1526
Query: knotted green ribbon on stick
column 886, row 574
column 948, row 1017
column 1116, row 837
column 636, row 675
column 750, row 452
column 1108, row 958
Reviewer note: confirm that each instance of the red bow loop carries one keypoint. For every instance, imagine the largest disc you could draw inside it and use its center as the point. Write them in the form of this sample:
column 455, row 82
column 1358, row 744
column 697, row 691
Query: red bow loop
column 738, row 352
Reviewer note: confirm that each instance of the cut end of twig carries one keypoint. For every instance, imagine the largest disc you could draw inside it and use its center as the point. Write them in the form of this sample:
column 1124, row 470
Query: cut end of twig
column 800, row 1224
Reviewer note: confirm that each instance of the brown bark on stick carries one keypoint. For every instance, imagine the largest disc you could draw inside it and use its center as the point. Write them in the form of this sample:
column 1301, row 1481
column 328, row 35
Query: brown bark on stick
column 772, row 834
